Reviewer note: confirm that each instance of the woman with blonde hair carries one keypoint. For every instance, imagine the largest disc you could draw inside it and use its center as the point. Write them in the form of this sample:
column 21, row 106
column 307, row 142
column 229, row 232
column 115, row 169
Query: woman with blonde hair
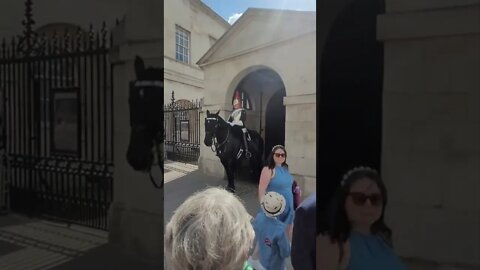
column 210, row 230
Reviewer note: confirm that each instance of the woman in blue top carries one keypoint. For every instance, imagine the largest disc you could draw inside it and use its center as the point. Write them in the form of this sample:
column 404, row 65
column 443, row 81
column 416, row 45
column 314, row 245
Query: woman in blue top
column 275, row 177
column 358, row 238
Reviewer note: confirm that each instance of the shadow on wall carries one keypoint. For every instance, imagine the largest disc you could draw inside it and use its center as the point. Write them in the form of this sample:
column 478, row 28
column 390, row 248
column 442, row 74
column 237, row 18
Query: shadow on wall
column 350, row 109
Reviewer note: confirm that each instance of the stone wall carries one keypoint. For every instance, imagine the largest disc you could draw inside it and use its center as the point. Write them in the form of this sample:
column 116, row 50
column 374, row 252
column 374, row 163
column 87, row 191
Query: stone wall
column 194, row 16
column 431, row 137
column 136, row 214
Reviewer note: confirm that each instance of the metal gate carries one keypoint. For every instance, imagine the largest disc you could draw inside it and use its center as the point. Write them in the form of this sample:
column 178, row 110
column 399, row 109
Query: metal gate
column 58, row 111
column 182, row 130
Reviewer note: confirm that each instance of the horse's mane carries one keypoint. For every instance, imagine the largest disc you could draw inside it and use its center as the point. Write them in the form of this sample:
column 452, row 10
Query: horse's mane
column 221, row 118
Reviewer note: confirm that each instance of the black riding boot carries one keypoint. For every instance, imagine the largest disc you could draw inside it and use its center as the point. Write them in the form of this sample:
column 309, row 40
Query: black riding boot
column 247, row 153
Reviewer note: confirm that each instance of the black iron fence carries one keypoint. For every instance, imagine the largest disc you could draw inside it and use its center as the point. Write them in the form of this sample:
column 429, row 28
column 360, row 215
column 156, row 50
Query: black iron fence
column 58, row 111
column 182, row 130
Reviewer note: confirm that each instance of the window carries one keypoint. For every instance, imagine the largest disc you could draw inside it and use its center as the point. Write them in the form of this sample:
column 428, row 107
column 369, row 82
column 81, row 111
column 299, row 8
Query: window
column 182, row 48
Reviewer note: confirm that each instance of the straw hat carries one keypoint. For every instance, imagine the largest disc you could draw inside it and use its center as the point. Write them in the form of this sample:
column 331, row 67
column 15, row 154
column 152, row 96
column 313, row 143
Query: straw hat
column 273, row 204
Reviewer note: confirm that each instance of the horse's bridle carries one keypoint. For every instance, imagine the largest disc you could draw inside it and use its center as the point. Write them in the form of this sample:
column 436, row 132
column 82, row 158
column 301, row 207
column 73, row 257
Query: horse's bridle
column 215, row 145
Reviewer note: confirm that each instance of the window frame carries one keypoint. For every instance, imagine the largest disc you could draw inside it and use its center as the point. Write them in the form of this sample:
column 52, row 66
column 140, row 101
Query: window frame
column 182, row 44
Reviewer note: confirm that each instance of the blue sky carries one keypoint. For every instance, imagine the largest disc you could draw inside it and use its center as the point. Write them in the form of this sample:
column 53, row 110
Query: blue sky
column 231, row 10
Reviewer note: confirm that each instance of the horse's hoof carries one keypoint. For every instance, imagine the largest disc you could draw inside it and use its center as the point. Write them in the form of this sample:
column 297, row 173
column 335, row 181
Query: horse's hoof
column 230, row 189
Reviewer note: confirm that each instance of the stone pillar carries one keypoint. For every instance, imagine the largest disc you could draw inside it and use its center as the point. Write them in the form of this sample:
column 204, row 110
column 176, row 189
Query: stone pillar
column 136, row 214
column 431, row 118
column 300, row 140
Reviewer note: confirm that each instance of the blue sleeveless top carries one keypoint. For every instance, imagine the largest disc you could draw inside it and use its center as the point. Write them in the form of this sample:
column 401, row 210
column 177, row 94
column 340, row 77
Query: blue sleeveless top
column 282, row 183
column 370, row 252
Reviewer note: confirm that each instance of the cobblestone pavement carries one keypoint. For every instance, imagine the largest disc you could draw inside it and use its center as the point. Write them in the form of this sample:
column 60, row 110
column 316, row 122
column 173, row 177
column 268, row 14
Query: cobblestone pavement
column 43, row 245
column 31, row 244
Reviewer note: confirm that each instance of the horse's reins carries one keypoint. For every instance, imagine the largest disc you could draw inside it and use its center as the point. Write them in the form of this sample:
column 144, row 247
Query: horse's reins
column 214, row 137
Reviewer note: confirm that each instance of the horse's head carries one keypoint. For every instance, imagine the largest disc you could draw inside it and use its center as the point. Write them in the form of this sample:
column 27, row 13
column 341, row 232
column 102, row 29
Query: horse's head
column 211, row 124
column 147, row 74
column 146, row 116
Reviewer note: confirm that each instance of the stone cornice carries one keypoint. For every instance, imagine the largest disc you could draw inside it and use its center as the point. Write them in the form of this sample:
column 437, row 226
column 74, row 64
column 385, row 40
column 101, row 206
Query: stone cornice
column 199, row 4
column 254, row 49
column 429, row 23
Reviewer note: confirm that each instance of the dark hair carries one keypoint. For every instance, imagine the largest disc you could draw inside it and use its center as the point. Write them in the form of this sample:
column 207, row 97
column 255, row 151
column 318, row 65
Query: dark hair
column 270, row 163
column 340, row 227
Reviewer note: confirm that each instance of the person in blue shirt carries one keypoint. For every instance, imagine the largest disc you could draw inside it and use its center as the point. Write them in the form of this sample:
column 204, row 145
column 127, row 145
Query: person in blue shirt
column 270, row 234
column 276, row 177
column 304, row 232
column 358, row 238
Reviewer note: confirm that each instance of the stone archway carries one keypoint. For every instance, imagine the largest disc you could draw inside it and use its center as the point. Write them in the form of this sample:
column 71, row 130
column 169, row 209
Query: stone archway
column 266, row 112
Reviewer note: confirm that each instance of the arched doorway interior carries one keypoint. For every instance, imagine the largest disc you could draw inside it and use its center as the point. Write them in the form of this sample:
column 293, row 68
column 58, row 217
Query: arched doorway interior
column 275, row 122
column 350, row 108
column 262, row 92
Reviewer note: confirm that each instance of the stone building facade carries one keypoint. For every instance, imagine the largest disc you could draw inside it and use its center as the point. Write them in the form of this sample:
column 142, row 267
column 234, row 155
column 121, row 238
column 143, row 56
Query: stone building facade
column 269, row 56
column 190, row 28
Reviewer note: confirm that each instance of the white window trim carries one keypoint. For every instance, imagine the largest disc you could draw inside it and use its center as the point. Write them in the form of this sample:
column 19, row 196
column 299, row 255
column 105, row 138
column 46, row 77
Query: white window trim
column 180, row 30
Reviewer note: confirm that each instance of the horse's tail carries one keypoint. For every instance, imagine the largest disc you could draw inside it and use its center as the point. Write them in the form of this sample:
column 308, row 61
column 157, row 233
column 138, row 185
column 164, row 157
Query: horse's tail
column 258, row 139
column 259, row 144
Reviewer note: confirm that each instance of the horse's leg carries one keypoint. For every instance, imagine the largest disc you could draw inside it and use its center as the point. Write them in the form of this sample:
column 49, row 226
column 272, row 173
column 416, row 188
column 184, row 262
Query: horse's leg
column 231, row 176
column 227, row 166
column 256, row 166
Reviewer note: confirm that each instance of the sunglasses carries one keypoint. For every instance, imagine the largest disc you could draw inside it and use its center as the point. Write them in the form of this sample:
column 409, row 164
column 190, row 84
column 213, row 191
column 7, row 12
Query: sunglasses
column 360, row 199
column 279, row 154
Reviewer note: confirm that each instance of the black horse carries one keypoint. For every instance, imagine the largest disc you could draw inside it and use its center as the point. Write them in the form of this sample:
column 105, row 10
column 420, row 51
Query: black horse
column 146, row 120
column 226, row 141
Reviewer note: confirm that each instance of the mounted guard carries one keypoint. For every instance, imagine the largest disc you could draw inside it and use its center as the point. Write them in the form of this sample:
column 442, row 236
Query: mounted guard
column 237, row 119
column 219, row 137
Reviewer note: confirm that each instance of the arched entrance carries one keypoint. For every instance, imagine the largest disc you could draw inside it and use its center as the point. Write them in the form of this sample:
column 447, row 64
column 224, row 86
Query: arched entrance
column 350, row 109
column 262, row 92
column 275, row 122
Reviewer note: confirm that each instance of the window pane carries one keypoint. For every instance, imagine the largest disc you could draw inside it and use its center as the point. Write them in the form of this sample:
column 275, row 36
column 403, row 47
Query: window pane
column 182, row 42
